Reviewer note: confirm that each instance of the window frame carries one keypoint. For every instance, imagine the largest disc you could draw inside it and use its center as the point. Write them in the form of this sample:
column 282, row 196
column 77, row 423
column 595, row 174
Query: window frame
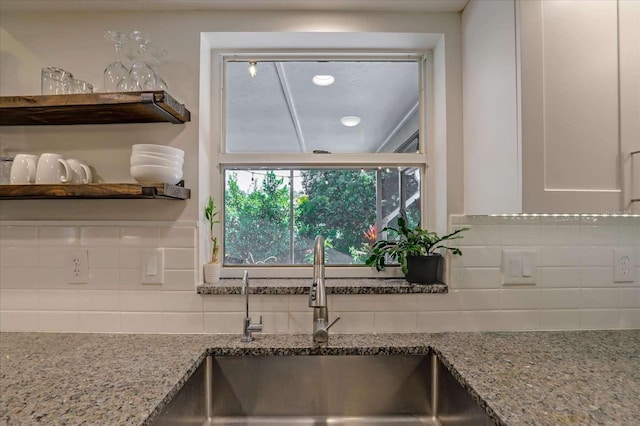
column 225, row 160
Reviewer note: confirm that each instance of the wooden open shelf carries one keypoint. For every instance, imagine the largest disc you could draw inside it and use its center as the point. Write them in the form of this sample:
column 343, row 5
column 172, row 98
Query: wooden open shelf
column 95, row 191
column 92, row 108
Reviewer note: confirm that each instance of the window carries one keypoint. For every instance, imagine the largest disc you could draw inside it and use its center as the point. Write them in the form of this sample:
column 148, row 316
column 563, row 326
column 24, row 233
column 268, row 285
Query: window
column 310, row 146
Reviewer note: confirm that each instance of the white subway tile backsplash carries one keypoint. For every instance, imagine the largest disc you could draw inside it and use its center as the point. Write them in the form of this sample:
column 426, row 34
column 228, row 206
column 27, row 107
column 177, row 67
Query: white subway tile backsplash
column 349, row 302
column 100, row 236
column 224, row 322
column 104, row 257
column 599, row 298
column 179, row 258
column 478, row 300
column 58, row 300
column 181, row 301
column 520, row 299
column 140, row 301
column 99, row 300
column 178, row 237
column 58, row 236
column 560, row 320
column 575, row 288
column 560, row 256
column 438, row 302
column 477, row 257
column 433, row 322
column 104, row 278
column 18, row 300
column 395, row 303
column 353, row 322
column 520, row 320
column 18, row 277
column 476, row 278
column 18, row 257
column 597, row 277
column 560, row 277
column 143, row 236
column 629, row 297
column 182, row 322
column 100, row 322
column 58, row 321
column 11, row 236
column 19, row 320
column 141, row 322
column 560, row 298
column 599, row 319
column 395, row 322
column 53, row 257
column 223, row 303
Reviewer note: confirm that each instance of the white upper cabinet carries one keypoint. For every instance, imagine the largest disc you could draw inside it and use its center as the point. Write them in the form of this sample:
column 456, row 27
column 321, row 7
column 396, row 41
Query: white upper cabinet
column 550, row 106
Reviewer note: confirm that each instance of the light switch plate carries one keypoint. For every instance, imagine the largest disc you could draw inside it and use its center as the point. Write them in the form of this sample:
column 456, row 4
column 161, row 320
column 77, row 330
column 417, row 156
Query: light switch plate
column 152, row 266
column 519, row 266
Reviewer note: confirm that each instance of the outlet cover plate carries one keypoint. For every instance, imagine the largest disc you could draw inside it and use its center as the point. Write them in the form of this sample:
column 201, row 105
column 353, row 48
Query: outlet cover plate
column 152, row 267
column 624, row 265
column 78, row 266
column 519, row 267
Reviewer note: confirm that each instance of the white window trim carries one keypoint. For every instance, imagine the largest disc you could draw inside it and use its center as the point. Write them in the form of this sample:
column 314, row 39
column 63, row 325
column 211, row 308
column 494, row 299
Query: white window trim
column 336, row 160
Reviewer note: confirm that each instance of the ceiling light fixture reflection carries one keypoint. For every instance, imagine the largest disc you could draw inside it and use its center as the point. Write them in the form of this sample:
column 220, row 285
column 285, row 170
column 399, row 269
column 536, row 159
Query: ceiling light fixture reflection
column 350, row 120
column 323, row 80
column 253, row 69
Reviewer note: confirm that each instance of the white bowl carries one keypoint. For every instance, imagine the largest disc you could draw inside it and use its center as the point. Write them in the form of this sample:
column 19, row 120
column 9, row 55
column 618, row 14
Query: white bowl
column 156, row 174
column 162, row 149
column 158, row 155
column 152, row 160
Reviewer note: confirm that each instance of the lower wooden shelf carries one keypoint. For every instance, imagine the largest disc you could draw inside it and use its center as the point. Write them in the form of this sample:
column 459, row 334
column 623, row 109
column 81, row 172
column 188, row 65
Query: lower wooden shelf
column 95, row 191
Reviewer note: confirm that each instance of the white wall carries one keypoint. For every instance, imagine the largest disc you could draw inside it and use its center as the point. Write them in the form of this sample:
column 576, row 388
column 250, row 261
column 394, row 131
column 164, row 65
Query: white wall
column 575, row 288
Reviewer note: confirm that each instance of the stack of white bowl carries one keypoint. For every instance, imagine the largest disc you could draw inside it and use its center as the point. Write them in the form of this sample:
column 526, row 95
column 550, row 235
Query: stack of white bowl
column 156, row 163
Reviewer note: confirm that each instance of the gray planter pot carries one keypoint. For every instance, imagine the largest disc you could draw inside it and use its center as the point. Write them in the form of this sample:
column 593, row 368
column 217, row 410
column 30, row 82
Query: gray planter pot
column 425, row 269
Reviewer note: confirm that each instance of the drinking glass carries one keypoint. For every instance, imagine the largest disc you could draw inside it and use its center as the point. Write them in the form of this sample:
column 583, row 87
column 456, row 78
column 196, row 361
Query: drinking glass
column 140, row 71
column 156, row 53
column 115, row 71
column 55, row 81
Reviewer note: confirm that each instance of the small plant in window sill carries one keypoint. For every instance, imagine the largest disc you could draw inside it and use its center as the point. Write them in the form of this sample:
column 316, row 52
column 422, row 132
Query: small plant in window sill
column 416, row 250
column 212, row 269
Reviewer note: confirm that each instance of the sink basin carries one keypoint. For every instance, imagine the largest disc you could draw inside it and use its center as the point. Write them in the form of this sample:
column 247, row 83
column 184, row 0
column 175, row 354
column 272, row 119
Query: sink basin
column 320, row 390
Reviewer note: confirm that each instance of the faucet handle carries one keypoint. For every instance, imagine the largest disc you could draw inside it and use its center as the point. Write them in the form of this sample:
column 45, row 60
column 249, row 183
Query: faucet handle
column 333, row 322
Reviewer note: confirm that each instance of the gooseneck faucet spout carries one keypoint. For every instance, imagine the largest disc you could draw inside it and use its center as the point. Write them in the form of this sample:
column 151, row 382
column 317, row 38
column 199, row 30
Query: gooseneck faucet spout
column 318, row 295
column 247, row 326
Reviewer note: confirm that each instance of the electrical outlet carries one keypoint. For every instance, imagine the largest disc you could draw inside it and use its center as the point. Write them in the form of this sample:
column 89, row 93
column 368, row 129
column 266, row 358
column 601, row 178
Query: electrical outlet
column 153, row 266
column 624, row 265
column 78, row 267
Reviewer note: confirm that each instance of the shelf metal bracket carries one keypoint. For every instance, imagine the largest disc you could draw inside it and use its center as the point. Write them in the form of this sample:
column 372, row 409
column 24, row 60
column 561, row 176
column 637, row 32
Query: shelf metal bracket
column 149, row 100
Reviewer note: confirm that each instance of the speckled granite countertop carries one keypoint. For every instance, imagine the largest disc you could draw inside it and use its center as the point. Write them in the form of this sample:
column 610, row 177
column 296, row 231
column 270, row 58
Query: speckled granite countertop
column 541, row 378
column 334, row 286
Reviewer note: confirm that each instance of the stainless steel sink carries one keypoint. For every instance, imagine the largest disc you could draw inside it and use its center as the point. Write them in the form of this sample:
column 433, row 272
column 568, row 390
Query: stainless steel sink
column 322, row 390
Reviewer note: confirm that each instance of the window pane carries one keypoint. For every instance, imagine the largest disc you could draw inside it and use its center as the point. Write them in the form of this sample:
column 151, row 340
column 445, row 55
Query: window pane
column 282, row 110
column 272, row 216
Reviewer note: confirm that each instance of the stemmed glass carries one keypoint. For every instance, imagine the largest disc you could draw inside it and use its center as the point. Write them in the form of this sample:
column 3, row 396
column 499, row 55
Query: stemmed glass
column 115, row 71
column 156, row 54
column 140, row 71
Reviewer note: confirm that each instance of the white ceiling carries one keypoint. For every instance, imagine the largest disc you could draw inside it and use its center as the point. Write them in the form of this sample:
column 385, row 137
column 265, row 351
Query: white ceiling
column 281, row 110
column 342, row 5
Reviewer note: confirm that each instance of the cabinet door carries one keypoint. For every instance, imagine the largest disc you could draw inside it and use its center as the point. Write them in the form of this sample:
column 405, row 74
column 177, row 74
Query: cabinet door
column 629, row 31
column 570, row 106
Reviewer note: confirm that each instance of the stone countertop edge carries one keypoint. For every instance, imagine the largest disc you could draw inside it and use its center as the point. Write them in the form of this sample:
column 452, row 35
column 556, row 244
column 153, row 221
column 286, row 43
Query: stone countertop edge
column 284, row 286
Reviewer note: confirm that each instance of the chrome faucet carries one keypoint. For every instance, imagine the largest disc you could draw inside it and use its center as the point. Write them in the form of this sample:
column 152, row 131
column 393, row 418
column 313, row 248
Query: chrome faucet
column 247, row 326
column 318, row 295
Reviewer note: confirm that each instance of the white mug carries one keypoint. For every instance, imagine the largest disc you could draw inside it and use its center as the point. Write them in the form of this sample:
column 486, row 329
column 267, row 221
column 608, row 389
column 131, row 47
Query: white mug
column 81, row 172
column 23, row 169
column 52, row 168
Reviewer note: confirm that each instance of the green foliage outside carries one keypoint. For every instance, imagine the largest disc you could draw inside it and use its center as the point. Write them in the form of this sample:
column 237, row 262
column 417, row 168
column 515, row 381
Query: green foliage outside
column 337, row 204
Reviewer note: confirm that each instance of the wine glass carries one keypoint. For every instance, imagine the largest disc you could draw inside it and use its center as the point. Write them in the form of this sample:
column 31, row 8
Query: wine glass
column 115, row 71
column 156, row 54
column 140, row 71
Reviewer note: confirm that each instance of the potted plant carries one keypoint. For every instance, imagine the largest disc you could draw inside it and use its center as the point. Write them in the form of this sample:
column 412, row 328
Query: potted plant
column 212, row 269
column 415, row 250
